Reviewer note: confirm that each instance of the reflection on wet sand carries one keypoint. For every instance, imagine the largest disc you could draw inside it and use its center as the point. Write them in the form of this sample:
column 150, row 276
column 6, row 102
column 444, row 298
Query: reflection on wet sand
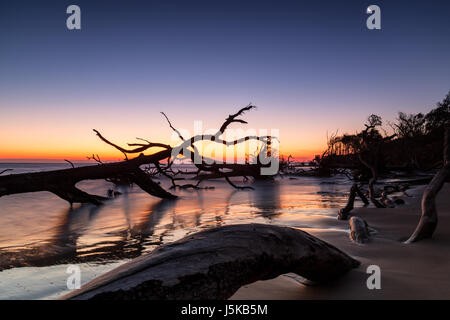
column 266, row 198
column 133, row 223
column 64, row 248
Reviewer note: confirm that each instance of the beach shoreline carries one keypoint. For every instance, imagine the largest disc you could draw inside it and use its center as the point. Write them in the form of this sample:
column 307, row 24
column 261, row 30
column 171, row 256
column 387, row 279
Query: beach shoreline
column 413, row 271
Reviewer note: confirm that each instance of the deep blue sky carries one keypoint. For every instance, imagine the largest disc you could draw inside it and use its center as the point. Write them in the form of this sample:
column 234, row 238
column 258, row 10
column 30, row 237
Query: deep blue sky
column 310, row 66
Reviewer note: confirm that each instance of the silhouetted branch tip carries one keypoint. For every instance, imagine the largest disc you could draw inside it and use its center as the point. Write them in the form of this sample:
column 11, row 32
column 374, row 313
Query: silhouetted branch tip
column 6, row 170
column 70, row 162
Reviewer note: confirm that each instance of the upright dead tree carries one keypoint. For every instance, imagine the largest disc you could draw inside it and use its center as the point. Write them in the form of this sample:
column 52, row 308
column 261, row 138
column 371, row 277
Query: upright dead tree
column 371, row 142
column 429, row 219
column 367, row 144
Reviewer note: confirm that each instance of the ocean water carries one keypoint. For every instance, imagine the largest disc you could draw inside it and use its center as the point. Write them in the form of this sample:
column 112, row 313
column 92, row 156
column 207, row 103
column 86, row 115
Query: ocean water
column 41, row 235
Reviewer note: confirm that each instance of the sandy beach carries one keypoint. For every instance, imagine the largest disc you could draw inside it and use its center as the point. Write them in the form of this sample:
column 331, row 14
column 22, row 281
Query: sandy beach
column 136, row 222
column 414, row 271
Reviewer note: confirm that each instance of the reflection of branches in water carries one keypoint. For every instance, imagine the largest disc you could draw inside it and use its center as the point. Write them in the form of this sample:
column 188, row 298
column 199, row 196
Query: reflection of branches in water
column 201, row 203
column 219, row 220
column 63, row 247
column 328, row 200
column 146, row 228
column 178, row 220
column 75, row 222
column 331, row 195
column 126, row 208
column 266, row 198
column 228, row 202
column 136, row 238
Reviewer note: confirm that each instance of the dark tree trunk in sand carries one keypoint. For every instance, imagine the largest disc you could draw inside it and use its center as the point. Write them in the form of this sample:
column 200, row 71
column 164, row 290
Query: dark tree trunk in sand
column 429, row 219
column 354, row 190
column 373, row 178
column 344, row 212
column 214, row 264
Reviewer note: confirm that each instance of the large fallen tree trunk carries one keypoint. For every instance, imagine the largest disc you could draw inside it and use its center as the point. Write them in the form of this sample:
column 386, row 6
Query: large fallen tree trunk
column 215, row 263
column 62, row 182
column 429, row 219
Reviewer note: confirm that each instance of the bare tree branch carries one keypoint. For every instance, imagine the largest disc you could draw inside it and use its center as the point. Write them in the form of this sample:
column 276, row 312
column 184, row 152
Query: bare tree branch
column 62, row 182
column 6, row 170
column 70, row 162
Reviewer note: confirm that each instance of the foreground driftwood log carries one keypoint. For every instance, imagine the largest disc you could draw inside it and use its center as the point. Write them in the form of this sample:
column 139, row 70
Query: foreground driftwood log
column 429, row 219
column 214, row 264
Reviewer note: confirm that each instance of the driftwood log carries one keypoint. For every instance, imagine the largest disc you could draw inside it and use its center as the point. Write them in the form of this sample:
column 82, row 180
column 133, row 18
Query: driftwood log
column 429, row 219
column 215, row 263
column 62, row 182
column 359, row 230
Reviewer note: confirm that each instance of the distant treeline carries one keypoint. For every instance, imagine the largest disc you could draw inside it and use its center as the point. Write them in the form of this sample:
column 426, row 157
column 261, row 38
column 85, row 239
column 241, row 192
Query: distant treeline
column 414, row 141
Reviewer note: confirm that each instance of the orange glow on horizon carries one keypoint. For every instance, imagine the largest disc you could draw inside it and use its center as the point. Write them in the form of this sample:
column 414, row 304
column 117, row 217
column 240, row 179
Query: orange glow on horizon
column 66, row 133
column 107, row 153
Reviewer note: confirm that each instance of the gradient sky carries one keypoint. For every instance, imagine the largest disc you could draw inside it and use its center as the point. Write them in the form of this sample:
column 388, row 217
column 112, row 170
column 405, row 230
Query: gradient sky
column 309, row 66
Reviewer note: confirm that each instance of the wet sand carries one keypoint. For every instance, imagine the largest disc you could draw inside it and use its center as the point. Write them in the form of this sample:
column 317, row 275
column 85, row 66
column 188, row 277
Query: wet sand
column 416, row 271
column 40, row 235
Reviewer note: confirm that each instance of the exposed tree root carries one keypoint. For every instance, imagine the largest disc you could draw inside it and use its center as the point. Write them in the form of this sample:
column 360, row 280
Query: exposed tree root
column 354, row 190
column 429, row 219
